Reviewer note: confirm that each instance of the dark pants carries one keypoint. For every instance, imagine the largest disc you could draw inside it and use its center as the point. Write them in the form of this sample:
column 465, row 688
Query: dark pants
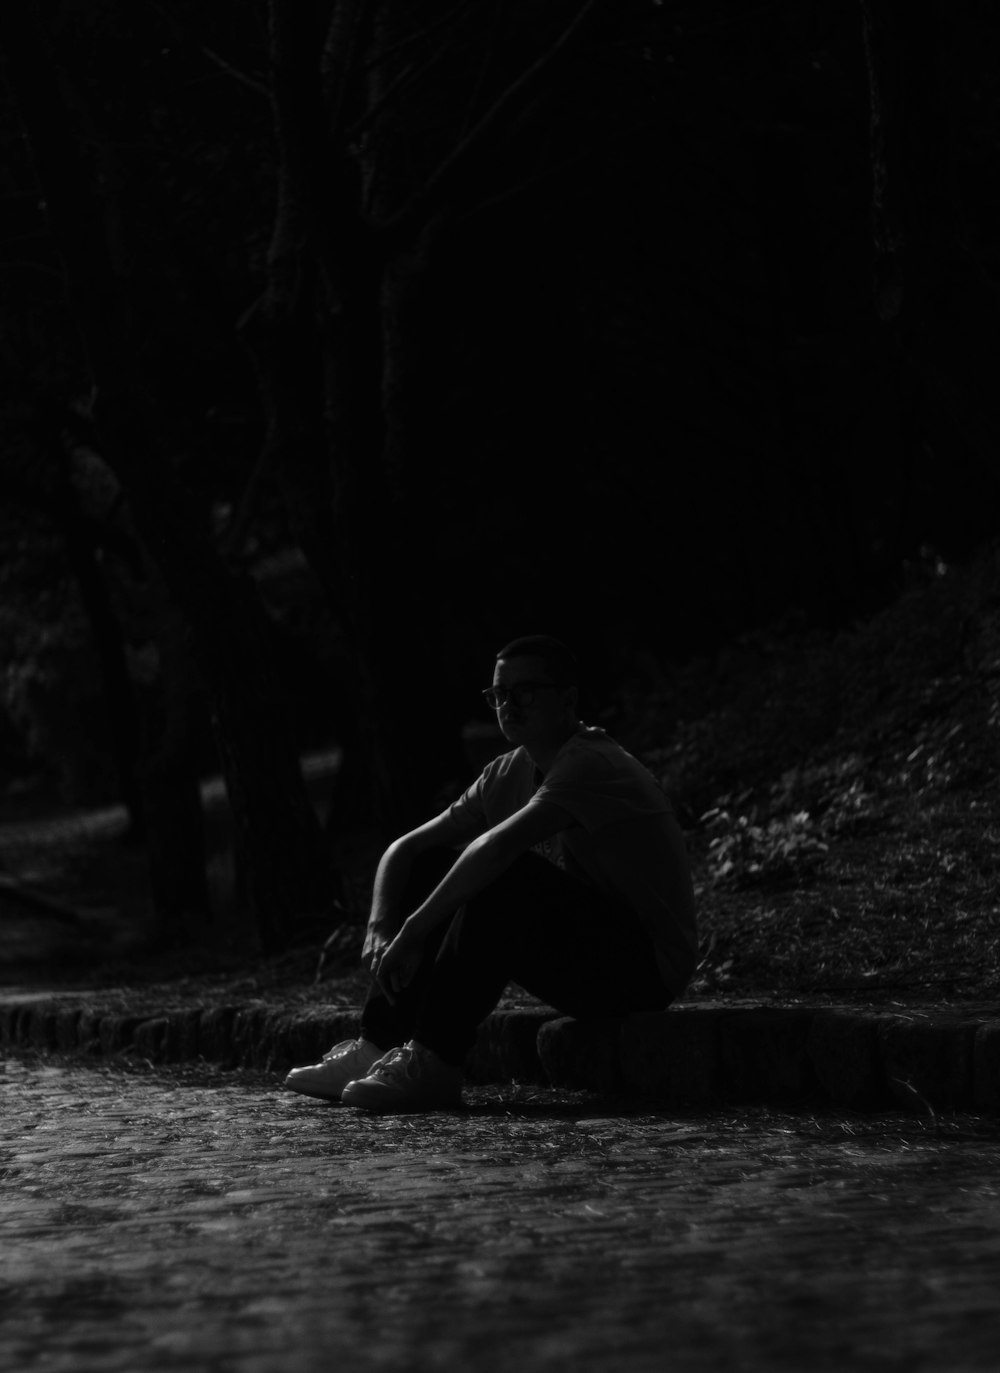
column 558, row 938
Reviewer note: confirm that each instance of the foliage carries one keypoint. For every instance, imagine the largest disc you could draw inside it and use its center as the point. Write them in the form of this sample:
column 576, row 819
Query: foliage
column 744, row 852
column 853, row 834
column 782, row 707
column 870, row 867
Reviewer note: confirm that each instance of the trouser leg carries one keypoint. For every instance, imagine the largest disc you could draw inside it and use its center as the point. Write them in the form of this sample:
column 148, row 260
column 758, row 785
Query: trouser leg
column 563, row 941
column 386, row 1023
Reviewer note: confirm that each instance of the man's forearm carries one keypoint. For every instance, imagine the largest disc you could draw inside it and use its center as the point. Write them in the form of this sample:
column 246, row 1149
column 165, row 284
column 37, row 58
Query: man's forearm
column 474, row 868
column 391, row 877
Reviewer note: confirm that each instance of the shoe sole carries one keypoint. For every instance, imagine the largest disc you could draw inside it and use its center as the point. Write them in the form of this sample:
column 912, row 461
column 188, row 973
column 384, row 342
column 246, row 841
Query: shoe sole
column 311, row 1091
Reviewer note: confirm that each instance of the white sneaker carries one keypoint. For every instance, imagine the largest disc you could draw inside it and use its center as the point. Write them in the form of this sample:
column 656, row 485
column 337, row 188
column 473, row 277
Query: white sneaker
column 345, row 1061
column 412, row 1078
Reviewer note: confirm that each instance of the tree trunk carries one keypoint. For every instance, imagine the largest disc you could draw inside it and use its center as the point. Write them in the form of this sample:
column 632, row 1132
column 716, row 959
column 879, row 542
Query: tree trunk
column 928, row 285
column 124, row 727
column 276, row 829
column 315, row 341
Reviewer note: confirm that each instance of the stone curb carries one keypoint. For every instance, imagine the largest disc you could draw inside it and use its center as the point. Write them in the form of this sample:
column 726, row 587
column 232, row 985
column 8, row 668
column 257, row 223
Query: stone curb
column 847, row 1057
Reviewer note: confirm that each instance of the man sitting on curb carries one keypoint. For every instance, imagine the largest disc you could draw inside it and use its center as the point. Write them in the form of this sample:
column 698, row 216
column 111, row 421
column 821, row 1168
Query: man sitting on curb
column 562, row 868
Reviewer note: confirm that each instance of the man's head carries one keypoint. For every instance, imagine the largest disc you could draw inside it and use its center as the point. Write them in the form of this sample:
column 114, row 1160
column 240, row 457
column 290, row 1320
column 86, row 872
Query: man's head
column 534, row 693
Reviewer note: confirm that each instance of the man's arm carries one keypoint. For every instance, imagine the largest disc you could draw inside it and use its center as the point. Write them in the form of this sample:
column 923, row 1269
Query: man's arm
column 392, row 875
column 476, row 867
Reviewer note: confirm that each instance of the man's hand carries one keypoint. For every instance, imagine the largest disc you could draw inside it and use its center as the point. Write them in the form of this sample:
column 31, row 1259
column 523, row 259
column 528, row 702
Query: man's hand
column 377, row 940
column 395, row 965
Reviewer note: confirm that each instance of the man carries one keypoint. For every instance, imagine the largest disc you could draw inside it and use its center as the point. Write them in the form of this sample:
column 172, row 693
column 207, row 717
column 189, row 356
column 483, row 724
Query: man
column 561, row 868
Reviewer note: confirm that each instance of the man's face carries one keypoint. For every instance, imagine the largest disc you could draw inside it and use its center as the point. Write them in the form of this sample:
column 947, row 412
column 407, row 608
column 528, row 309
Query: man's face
column 549, row 712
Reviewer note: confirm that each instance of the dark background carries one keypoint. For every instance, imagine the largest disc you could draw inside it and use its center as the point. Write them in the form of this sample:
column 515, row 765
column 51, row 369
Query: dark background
column 339, row 348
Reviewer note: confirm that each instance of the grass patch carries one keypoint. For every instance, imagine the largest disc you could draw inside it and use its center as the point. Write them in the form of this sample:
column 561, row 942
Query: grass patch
column 840, row 796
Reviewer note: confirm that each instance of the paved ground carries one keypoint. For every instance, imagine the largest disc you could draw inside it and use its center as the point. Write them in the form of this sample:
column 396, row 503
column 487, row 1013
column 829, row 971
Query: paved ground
column 190, row 1218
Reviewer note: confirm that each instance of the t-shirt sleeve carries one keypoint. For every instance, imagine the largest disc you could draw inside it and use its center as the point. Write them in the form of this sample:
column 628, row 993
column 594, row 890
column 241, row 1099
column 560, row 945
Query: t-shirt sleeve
column 597, row 793
column 468, row 813
column 501, row 789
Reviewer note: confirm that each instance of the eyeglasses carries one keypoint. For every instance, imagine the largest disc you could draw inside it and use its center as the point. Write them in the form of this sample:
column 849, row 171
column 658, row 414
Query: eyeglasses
column 522, row 694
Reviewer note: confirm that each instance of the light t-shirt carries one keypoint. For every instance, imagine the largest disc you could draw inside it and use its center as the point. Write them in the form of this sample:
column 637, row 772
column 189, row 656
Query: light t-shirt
column 624, row 839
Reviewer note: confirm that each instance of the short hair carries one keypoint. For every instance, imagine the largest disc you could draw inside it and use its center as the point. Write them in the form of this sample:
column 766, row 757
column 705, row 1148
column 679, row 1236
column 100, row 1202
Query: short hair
column 558, row 659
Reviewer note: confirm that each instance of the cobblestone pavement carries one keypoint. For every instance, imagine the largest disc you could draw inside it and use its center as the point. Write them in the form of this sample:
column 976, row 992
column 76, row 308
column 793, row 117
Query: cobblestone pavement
column 191, row 1218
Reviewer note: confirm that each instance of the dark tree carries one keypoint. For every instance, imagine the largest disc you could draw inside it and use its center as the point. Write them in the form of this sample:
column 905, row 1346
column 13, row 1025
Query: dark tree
column 277, row 835
column 557, row 316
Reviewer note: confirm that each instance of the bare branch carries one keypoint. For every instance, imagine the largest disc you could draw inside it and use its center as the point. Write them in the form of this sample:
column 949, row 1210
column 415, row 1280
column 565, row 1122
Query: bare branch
column 399, row 83
column 422, row 204
column 420, row 35
column 484, row 68
column 339, row 60
column 251, row 82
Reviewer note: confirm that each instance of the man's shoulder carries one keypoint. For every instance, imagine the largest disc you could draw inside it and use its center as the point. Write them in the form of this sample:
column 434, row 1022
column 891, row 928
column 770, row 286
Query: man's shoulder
column 501, row 788
column 593, row 761
column 515, row 763
column 593, row 748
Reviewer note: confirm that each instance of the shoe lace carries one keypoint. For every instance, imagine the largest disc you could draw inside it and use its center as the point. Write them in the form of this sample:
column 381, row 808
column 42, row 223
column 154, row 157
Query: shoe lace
column 398, row 1064
column 339, row 1051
